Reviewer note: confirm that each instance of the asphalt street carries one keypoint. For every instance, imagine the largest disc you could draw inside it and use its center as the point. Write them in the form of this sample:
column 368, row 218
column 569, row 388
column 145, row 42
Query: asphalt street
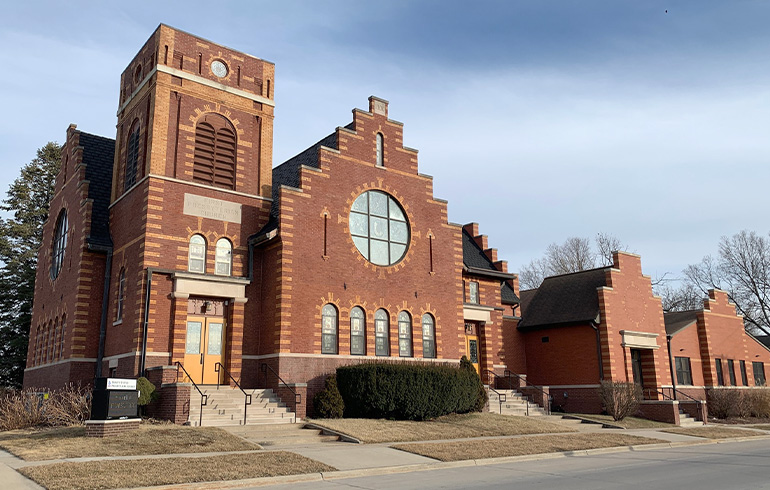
column 737, row 465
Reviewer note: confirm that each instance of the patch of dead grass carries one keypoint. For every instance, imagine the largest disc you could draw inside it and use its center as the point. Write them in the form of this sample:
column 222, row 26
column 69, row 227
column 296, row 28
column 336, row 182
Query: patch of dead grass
column 763, row 426
column 448, row 427
column 628, row 422
column 95, row 475
column 713, row 432
column 522, row 446
column 71, row 442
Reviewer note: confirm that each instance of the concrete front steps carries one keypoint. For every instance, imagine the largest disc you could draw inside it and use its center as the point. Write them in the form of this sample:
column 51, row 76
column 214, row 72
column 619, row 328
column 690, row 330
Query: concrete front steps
column 687, row 421
column 225, row 407
column 514, row 404
column 281, row 435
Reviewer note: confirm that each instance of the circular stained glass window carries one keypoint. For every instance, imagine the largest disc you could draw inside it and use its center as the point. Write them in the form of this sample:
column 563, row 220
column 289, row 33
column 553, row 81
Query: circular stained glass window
column 379, row 228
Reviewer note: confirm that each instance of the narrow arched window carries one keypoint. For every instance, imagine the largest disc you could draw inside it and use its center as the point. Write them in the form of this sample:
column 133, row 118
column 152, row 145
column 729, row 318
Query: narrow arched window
column 404, row 334
column 59, row 244
column 329, row 329
column 132, row 157
column 52, row 340
column 428, row 336
column 380, row 158
column 121, row 295
column 381, row 333
column 215, row 152
column 63, row 334
column 197, row 254
column 224, row 257
column 357, row 332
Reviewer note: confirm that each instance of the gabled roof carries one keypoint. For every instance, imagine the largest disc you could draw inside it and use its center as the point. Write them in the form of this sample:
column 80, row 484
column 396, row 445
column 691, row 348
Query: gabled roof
column 98, row 156
column 563, row 300
column 526, row 297
column 763, row 339
column 676, row 321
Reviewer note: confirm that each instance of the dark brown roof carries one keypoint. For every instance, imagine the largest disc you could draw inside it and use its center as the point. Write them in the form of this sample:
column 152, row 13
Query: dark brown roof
column 98, row 156
column 526, row 297
column 563, row 300
column 677, row 321
column 507, row 295
column 473, row 256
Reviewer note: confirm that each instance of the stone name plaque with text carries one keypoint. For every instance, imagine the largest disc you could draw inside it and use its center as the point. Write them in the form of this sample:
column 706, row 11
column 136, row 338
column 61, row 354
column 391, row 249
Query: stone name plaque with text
column 206, row 207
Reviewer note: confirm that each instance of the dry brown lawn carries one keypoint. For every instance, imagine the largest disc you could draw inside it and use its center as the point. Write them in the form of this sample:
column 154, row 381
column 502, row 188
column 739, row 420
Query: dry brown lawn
column 521, row 446
column 628, row 422
column 447, row 427
column 71, row 442
column 166, row 471
column 713, row 432
column 763, row 427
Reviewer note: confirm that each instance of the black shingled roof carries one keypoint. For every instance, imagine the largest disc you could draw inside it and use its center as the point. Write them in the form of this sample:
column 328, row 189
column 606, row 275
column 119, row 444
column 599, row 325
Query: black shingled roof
column 98, row 156
column 763, row 339
column 677, row 321
column 565, row 299
column 287, row 173
column 473, row 256
column 507, row 295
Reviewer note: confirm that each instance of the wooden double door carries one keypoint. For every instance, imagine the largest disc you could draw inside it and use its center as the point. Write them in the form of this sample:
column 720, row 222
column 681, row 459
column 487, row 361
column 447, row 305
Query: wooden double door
column 204, row 348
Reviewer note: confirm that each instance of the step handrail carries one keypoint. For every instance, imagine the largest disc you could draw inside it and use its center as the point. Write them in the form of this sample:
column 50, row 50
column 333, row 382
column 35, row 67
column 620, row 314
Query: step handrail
column 508, row 373
column 247, row 401
column 204, row 398
column 501, row 397
column 297, row 396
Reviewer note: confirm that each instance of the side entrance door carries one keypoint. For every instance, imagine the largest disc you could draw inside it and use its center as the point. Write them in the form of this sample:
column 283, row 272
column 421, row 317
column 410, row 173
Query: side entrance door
column 472, row 350
column 204, row 348
column 636, row 366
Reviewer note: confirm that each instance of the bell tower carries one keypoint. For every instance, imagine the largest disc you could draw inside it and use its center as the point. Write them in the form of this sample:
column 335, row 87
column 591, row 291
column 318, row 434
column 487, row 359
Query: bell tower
column 194, row 111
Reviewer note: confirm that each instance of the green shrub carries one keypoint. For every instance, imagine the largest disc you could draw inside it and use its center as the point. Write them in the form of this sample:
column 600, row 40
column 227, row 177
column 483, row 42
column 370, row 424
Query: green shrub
column 328, row 403
column 147, row 391
column 408, row 390
column 620, row 399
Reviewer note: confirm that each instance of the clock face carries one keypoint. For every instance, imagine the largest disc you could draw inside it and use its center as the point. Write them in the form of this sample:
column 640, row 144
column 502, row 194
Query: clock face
column 218, row 68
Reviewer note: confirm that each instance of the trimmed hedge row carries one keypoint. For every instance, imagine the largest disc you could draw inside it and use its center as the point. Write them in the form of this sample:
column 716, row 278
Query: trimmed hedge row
column 409, row 391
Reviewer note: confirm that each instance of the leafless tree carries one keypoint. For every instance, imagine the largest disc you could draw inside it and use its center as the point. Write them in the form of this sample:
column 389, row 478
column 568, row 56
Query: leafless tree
column 742, row 268
column 575, row 254
column 679, row 298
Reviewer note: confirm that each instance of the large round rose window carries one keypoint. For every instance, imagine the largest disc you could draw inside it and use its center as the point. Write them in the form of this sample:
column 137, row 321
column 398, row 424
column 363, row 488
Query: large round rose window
column 379, row 228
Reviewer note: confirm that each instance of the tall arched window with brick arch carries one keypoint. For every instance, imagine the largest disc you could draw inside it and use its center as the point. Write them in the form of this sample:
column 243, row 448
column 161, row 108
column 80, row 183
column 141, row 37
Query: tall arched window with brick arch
column 428, row 336
column 380, row 155
column 357, row 332
column 215, row 152
column 59, row 244
column 63, row 336
column 404, row 334
column 329, row 322
column 224, row 257
column 381, row 333
column 196, row 256
column 132, row 156
column 121, row 295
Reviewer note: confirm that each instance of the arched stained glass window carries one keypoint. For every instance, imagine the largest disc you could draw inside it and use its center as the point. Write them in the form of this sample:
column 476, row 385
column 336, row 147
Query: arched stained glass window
column 197, row 254
column 381, row 333
column 329, row 319
column 404, row 334
column 224, row 257
column 428, row 336
column 357, row 332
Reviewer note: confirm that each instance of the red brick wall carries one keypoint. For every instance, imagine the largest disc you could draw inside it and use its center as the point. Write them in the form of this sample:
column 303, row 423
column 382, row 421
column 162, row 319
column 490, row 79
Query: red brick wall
column 567, row 358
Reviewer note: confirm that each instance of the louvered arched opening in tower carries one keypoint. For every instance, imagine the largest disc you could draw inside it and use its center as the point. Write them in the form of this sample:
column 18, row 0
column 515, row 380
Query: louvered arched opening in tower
column 215, row 152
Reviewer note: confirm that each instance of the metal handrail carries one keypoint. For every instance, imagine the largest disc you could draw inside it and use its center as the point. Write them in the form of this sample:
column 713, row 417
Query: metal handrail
column 204, row 398
column 508, row 373
column 501, row 397
column 247, row 401
column 297, row 396
column 673, row 396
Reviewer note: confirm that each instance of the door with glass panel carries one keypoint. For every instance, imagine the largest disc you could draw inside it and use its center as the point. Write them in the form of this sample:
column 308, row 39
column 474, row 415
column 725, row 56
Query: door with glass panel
column 204, row 347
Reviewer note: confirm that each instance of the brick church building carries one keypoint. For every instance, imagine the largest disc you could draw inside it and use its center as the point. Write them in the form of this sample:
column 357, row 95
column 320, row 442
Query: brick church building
column 179, row 252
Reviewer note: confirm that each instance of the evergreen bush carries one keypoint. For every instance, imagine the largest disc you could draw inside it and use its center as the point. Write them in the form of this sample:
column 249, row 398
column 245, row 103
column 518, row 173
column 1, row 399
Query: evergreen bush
column 409, row 391
column 147, row 391
column 328, row 403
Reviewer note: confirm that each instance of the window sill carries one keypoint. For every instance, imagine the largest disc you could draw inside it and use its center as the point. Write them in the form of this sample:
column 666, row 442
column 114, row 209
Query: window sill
column 117, row 322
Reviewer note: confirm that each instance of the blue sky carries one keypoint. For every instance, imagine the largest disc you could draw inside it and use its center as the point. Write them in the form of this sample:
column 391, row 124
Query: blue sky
column 538, row 119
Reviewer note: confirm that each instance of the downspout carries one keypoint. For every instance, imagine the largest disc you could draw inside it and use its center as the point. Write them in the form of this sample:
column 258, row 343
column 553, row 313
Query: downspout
column 598, row 349
column 671, row 365
column 103, row 321
column 146, row 322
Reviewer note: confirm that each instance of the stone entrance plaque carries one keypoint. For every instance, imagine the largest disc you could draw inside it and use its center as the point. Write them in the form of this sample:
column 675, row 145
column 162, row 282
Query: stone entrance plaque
column 207, row 207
